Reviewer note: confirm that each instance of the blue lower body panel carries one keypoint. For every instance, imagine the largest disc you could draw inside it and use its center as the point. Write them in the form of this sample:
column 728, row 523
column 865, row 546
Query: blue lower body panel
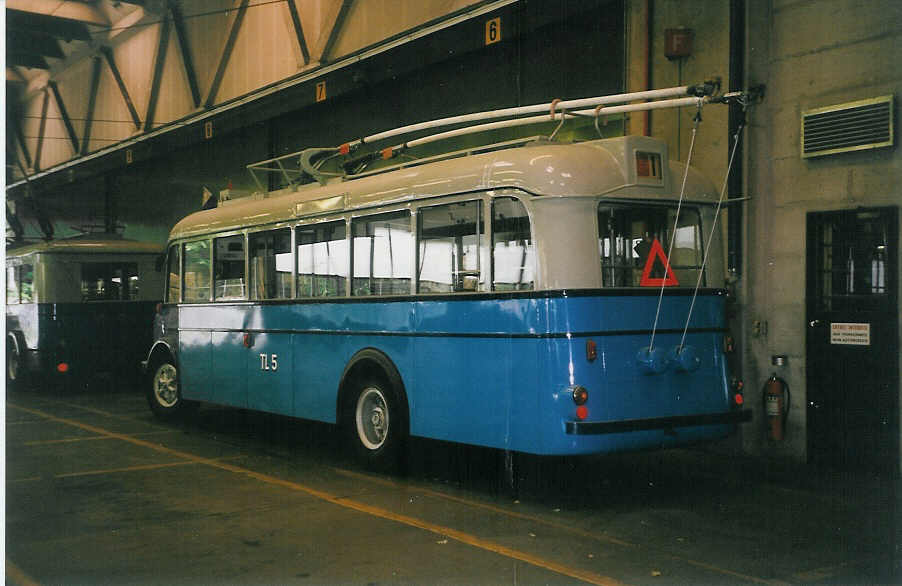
column 489, row 371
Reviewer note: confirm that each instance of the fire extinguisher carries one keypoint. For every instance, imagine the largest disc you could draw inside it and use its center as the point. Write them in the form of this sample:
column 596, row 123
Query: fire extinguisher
column 776, row 405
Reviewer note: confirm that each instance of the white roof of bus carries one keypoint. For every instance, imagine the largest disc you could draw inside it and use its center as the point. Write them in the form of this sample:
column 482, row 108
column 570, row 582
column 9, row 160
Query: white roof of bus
column 89, row 243
column 543, row 169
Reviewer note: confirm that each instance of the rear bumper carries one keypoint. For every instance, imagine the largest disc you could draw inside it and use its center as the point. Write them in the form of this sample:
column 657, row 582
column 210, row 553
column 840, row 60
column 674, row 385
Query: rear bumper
column 627, row 425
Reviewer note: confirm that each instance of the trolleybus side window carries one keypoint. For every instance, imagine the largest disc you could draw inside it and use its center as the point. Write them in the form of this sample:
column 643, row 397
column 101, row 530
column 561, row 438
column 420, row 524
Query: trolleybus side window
column 451, row 242
column 20, row 283
column 228, row 267
column 627, row 235
column 173, row 283
column 270, row 264
column 322, row 259
column 103, row 281
column 513, row 251
column 382, row 249
column 197, row 271
column 12, row 284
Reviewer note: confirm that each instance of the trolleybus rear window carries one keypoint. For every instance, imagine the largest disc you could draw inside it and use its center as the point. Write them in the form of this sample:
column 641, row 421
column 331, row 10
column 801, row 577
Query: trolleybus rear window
column 103, row 281
column 627, row 234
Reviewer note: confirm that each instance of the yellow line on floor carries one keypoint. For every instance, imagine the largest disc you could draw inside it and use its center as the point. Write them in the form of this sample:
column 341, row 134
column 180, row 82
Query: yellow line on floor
column 547, row 523
column 126, row 469
column 460, row 536
column 16, row 576
column 69, row 440
column 487, row 507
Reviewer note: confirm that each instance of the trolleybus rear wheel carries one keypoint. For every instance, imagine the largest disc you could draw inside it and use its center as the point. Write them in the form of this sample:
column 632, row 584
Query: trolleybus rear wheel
column 376, row 425
column 163, row 392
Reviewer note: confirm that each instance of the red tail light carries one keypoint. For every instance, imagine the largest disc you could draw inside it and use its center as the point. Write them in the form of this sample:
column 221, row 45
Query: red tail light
column 62, row 367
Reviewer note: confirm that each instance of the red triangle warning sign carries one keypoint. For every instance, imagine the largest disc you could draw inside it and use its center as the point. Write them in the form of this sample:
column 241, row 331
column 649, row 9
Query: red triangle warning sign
column 655, row 253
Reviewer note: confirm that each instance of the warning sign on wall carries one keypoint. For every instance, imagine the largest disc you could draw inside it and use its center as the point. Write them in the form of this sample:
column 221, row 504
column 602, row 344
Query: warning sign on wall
column 850, row 334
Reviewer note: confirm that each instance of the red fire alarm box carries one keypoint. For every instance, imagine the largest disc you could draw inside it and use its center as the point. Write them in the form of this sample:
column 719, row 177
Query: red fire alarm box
column 678, row 42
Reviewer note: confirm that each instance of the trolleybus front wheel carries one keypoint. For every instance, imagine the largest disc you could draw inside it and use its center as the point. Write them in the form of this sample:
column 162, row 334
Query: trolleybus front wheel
column 376, row 425
column 163, row 393
column 14, row 367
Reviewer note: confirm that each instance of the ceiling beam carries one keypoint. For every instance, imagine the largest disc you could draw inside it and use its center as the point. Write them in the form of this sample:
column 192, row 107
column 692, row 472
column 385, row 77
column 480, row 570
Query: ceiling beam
column 92, row 101
column 336, row 30
column 298, row 30
column 64, row 114
column 159, row 63
column 226, row 54
column 20, row 137
column 41, row 127
column 181, row 34
column 111, row 62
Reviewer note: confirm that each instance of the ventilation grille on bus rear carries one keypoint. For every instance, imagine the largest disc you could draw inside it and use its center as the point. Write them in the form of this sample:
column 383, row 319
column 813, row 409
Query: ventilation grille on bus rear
column 866, row 124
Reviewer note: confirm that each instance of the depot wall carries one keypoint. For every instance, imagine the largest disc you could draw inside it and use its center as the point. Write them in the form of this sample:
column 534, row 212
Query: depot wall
column 809, row 55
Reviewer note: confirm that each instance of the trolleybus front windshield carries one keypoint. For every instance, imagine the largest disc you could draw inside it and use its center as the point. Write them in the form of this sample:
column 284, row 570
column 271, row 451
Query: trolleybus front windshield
column 633, row 242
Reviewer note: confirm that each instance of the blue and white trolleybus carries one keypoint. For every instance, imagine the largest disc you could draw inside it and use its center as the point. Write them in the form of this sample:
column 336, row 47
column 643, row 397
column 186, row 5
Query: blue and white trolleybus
column 541, row 297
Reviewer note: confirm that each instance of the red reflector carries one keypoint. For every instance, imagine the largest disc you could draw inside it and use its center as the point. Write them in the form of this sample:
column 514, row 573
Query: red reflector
column 582, row 412
column 739, row 399
column 62, row 367
column 591, row 350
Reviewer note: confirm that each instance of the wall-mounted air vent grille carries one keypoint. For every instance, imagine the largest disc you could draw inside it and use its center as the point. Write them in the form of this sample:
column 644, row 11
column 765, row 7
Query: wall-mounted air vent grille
column 866, row 124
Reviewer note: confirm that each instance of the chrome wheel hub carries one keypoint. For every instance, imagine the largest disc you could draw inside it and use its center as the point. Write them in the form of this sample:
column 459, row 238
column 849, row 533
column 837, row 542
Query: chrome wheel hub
column 372, row 418
column 165, row 385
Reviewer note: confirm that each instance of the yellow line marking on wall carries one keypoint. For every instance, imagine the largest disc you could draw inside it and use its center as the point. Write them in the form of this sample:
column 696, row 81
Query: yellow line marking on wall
column 460, row 536
column 487, row 507
column 14, row 575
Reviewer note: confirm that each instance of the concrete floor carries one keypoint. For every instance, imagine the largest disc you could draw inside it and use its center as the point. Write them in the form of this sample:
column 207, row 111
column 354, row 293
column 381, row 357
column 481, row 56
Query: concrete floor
column 100, row 492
